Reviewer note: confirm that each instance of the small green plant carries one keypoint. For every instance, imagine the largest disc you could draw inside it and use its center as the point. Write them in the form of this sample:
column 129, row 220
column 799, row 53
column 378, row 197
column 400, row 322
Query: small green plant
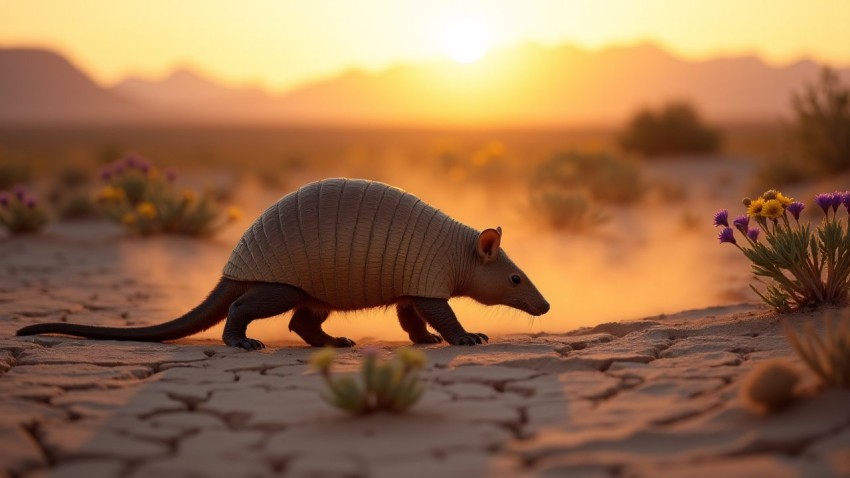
column 802, row 267
column 384, row 385
column 567, row 210
column 146, row 201
column 20, row 212
column 674, row 129
column 828, row 355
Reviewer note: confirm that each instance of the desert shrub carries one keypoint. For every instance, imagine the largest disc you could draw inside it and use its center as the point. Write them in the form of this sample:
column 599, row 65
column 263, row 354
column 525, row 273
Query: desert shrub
column 565, row 189
column 146, row 201
column 822, row 122
column 567, row 210
column 605, row 177
column 827, row 355
column 802, row 267
column 13, row 173
column 70, row 193
column 383, row 385
column 75, row 205
column 674, row 129
column 20, row 211
column 780, row 171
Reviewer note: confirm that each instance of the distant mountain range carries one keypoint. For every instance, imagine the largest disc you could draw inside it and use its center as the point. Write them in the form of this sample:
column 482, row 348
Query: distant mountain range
column 526, row 86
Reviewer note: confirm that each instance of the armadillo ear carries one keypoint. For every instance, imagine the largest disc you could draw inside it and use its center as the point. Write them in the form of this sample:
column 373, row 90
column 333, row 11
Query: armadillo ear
column 488, row 245
column 499, row 230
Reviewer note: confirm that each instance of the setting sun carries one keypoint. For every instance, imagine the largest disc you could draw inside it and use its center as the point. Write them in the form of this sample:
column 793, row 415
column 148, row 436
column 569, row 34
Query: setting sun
column 464, row 39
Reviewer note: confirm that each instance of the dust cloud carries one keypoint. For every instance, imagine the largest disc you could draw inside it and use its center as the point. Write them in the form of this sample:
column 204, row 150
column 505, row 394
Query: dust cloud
column 648, row 259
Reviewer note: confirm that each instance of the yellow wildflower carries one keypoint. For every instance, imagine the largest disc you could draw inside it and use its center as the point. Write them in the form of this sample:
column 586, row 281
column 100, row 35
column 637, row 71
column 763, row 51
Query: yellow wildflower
column 784, row 200
column 146, row 210
column 769, row 194
column 411, row 358
column 129, row 218
column 772, row 209
column 188, row 196
column 234, row 213
column 110, row 193
column 755, row 207
column 322, row 360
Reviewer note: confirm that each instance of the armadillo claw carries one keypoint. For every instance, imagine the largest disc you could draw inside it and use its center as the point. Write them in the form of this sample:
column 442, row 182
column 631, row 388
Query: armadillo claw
column 469, row 339
column 342, row 342
column 427, row 338
column 247, row 344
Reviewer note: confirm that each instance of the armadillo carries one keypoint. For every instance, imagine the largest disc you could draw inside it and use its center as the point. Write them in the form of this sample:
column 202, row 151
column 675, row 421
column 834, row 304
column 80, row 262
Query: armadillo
column 342, row 245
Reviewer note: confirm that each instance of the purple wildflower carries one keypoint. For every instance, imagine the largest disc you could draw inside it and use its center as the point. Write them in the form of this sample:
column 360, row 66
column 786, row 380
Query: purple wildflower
column 727, row 235
column 824, row 200
column 106, row 173
column 837, row 199
column 753, row 234
column 144, row 166
column 845, row 199
column 131, row 160
column 170, row 175
column 118, row 169
column 19, row 192
column 5, row 197
column 795, row 208
column 742, row 222
column 31, row 202
column 721, row 218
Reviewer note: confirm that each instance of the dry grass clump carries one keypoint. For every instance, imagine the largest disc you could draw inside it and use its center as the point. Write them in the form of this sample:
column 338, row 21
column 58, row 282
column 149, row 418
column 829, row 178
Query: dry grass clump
column 769, row 386
column 827, row 355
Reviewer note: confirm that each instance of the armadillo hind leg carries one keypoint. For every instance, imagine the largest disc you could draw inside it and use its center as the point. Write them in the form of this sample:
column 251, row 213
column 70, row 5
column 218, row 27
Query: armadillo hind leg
column 415, row 326
column 439, row 315
column 307, row 323
column 260, row 301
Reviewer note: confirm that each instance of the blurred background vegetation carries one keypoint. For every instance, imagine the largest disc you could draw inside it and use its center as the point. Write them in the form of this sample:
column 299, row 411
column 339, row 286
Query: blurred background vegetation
column 571, row 176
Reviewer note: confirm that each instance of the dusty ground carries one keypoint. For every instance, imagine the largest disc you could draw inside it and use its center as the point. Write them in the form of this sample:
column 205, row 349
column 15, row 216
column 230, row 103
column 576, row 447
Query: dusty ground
column 654, row 397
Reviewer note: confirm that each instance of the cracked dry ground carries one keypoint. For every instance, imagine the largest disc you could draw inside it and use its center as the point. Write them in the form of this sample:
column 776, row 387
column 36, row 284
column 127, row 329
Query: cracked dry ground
column 656, row 397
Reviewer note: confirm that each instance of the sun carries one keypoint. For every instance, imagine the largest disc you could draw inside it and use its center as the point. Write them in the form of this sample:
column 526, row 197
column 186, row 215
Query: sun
column 464, row 39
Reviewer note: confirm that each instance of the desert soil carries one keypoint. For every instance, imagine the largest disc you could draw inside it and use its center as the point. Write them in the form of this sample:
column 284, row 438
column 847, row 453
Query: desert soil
column 652, row 397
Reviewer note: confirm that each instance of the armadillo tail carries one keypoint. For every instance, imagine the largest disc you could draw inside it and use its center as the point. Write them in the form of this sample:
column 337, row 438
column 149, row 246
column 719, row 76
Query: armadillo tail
column 208, row 313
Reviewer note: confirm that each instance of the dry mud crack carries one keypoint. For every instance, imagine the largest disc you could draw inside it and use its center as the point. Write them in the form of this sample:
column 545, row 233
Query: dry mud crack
column 656, row 397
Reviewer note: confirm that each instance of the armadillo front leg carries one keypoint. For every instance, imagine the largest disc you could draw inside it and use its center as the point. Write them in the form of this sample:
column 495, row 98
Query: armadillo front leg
column 441, row 317
column 260, row 301
column 307, row 323
column 414, row 325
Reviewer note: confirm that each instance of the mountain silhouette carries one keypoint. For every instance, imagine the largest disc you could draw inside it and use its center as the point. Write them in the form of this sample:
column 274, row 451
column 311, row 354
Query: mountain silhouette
column 536, row 86
column 184, row 87
column 526, row 86
column 42, row 86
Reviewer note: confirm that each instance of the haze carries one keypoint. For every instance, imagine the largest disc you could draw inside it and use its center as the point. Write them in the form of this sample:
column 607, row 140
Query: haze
column 280, row 45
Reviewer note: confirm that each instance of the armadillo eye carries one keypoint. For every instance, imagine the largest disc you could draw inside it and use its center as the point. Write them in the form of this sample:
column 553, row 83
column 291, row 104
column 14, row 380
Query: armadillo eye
column 516, row 279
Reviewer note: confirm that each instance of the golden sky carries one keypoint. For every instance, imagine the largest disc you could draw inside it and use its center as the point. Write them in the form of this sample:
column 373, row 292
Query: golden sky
column 282, row 43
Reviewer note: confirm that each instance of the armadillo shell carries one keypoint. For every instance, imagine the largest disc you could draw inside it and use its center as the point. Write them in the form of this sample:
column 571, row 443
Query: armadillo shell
column 351, row 244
